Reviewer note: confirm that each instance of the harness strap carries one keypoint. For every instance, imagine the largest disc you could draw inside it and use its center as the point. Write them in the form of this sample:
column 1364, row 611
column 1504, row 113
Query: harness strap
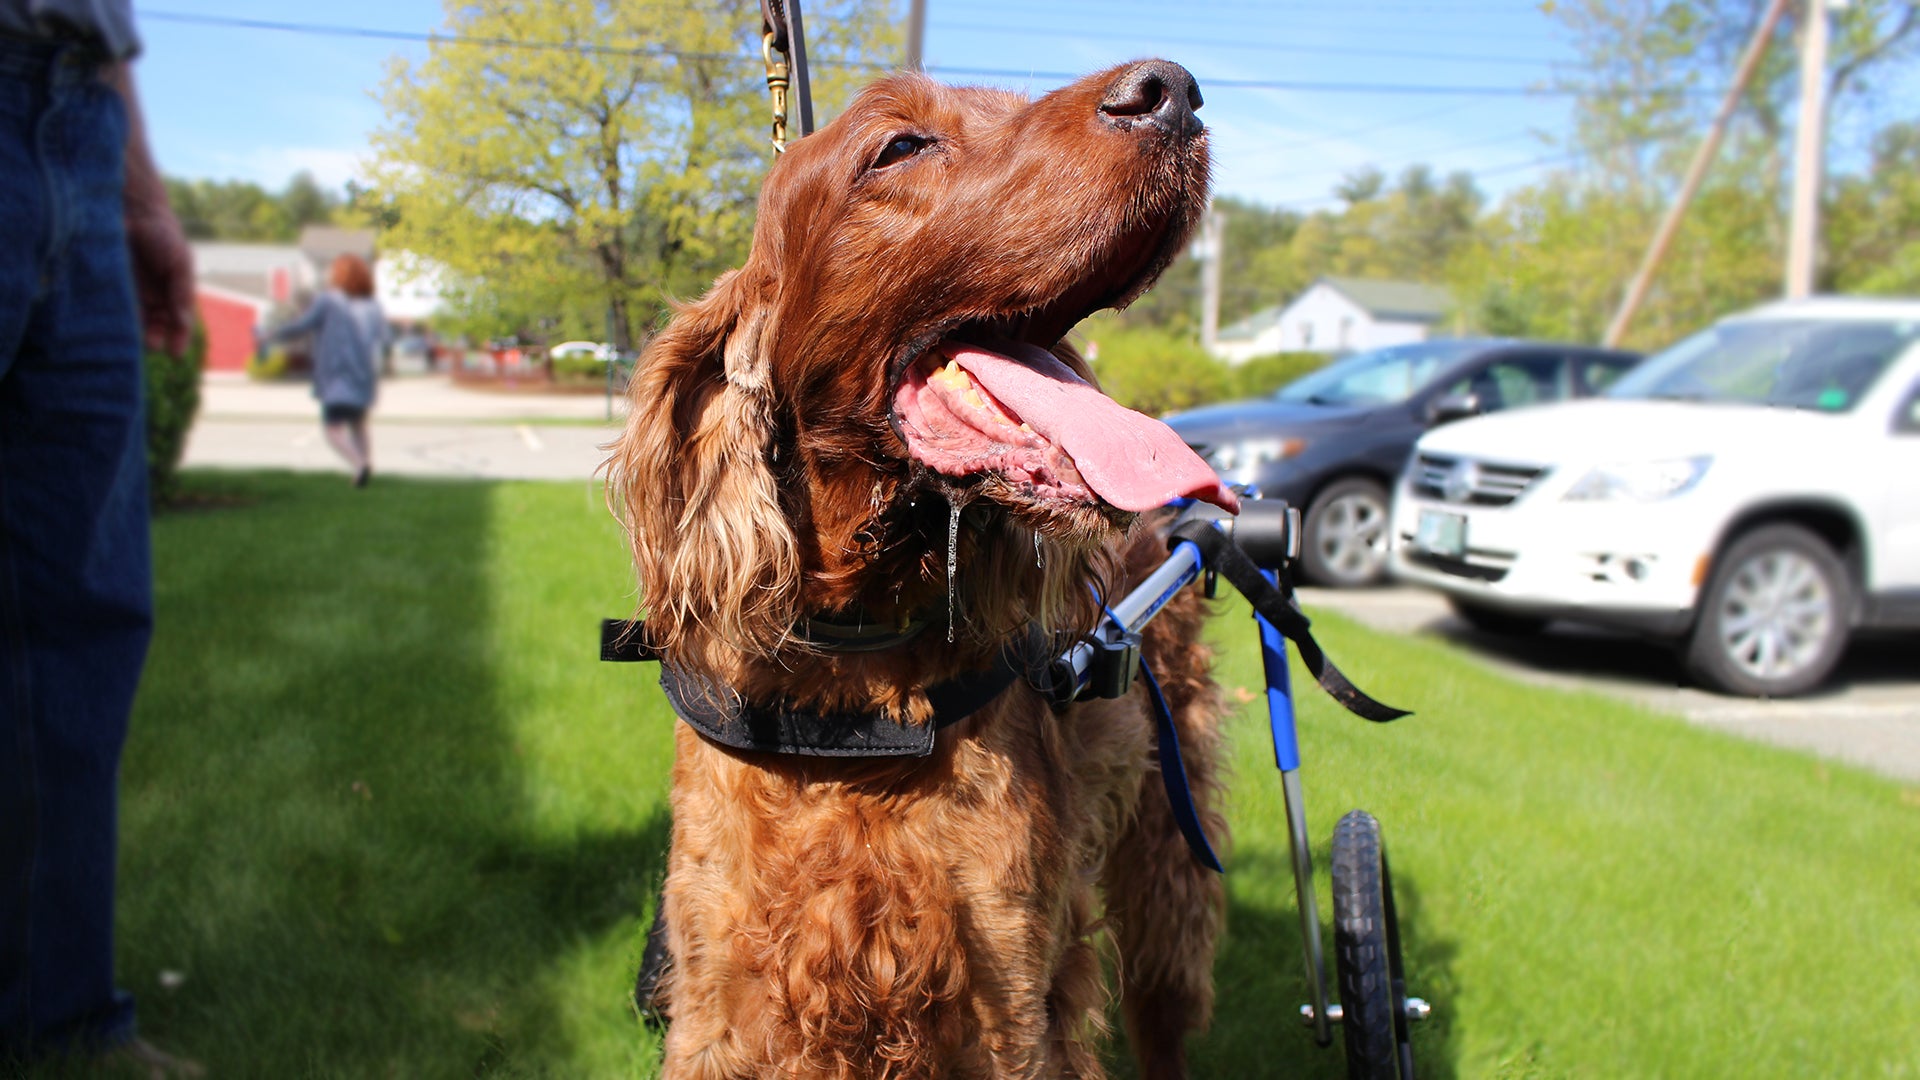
column 1173, row 776
column 722, row 717
column 1277, row 607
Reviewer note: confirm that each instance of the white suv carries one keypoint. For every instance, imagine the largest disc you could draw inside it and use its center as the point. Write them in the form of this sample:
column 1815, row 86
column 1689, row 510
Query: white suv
column 1753, row 491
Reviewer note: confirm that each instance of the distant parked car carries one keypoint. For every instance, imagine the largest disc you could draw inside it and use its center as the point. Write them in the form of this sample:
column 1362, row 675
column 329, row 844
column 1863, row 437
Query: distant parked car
column 581, row 349
column 1752, row 493
column 1332, row 442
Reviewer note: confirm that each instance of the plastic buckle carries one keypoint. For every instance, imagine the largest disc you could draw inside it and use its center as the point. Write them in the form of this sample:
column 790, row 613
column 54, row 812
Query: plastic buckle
column 1116, row 659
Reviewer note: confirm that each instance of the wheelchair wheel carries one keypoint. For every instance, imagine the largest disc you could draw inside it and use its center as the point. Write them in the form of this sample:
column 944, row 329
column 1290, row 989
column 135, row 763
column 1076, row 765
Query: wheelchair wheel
column 1366, row 953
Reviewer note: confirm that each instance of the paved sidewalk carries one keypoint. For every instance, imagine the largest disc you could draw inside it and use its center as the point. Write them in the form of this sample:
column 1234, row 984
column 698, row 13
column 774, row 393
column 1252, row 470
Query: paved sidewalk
column 1870, row 717
column 404, row 398
column 421, row 426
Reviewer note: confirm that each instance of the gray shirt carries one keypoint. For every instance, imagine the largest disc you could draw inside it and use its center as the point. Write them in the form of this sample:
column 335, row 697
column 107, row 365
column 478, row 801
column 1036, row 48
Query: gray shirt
column 106, row 23
column 346, row 348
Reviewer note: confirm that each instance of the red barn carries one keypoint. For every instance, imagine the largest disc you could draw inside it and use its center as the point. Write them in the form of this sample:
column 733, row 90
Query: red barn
column 230, row 318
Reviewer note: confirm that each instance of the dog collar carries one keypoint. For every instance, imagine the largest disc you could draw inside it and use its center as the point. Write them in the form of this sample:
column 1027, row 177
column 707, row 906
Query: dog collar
column 721, row 717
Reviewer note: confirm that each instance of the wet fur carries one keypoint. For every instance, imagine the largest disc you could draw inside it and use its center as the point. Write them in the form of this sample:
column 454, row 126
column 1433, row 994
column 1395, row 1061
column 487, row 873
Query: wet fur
column 936, row 917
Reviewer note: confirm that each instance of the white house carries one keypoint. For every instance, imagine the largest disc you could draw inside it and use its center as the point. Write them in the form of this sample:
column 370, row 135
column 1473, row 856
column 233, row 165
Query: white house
column 1337, row 315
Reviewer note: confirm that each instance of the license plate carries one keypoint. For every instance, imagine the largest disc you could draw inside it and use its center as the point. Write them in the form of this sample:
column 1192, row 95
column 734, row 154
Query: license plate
column 1441, row 533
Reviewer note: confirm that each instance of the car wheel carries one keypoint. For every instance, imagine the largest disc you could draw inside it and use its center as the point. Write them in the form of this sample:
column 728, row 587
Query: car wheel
column 1773, row 619
column 1492, row 620
column 1346, row 535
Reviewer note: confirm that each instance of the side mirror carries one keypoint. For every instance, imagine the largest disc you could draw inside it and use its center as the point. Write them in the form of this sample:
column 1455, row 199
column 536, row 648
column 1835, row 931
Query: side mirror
column 1450, row 407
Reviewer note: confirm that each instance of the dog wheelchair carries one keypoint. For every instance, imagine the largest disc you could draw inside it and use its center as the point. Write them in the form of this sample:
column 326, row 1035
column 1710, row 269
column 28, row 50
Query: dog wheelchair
column 1254, row 551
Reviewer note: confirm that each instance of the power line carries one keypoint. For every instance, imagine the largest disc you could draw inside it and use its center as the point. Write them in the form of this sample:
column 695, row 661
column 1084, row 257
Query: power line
column 659, row 52
column 1348, row 133
column 1415, row 159
column 1311, row 50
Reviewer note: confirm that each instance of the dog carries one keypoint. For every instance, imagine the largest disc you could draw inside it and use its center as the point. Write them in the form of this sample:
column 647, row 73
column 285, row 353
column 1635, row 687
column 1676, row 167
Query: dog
column 862, row 466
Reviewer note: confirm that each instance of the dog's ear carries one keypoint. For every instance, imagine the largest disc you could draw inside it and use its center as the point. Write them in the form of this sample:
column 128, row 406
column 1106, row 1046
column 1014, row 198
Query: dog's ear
column 691, row 477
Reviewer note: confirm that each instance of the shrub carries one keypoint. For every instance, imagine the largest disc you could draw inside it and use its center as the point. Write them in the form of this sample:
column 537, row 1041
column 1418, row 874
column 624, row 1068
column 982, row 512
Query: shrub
column 1262, row 375
column 270, row 365
column 579, row 367
column 1154, row 371
column 173, row 399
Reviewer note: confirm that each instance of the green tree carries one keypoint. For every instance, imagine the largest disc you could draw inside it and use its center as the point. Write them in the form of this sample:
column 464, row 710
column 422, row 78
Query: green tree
column 1555, row 258
column 1873, row 230
column 1251, row 278
column 577, row 189
column 241, row 210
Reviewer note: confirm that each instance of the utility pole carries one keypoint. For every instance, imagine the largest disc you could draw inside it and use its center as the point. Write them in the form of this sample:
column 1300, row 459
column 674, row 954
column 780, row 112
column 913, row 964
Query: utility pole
column 1213, row 235
column 916, row 35
column 1809, row 145
column 1696, row 172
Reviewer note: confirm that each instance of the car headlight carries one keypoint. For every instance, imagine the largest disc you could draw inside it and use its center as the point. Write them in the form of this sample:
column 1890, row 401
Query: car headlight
column 1640, row 481
column 1242, row 459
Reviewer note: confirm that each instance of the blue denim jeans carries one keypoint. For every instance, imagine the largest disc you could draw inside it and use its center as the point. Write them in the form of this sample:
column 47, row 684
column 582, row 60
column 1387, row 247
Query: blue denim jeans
column 75, row 575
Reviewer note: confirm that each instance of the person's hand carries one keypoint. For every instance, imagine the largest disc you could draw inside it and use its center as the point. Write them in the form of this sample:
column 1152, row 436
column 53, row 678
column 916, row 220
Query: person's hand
column 162, row 262
column 162, row 272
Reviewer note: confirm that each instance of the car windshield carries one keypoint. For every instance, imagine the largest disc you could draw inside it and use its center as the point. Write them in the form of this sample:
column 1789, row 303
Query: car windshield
column 1380, row 377
column 1822, row 364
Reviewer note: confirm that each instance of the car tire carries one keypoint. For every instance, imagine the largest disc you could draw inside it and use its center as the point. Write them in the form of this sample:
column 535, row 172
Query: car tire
column 1345, row 541
column 1492, row 620
column 1774, row 617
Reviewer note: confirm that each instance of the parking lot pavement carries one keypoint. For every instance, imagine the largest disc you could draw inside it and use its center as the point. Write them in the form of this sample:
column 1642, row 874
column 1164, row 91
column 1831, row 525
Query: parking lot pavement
column 500, row 451
column 421, row 426
column 406, row 398
column 1868, row 716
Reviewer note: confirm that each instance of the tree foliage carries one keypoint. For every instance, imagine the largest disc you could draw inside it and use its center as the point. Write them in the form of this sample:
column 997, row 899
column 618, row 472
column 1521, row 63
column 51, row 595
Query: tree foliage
column 1555, row 258
column 575, row 190
column 1406, row 230
column 241, row 210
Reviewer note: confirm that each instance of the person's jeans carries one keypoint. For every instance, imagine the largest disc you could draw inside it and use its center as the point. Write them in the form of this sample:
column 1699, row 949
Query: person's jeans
column 75, row 574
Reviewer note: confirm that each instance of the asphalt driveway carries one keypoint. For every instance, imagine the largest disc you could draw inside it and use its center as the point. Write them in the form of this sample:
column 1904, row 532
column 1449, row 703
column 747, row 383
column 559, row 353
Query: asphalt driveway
column 1868, row 715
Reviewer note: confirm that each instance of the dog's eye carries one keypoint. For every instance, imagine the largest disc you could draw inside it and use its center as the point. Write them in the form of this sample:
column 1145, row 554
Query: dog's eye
column 901, row 148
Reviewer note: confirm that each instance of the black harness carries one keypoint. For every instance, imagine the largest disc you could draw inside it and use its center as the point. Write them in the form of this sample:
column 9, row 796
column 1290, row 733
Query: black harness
column 719, row 714
column 1110, row 661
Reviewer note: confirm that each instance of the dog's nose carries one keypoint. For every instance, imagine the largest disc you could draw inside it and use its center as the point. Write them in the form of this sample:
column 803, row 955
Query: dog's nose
column 1158, row 92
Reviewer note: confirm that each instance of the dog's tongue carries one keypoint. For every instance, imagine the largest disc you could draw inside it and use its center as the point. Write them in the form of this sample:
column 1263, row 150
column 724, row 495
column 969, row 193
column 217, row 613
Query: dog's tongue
column 1132, row 461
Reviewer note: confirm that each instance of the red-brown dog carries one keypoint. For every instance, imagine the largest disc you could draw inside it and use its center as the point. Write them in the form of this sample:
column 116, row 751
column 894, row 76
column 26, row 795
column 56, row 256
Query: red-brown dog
column 874, row 424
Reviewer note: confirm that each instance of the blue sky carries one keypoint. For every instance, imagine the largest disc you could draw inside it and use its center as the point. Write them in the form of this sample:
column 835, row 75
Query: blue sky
column 259, row 104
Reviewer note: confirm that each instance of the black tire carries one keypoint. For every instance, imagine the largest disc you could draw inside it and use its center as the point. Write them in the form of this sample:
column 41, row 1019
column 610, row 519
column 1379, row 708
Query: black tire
column 1344, row 545
column 1493, row 620
column 1366, row 955
column 1800, row 599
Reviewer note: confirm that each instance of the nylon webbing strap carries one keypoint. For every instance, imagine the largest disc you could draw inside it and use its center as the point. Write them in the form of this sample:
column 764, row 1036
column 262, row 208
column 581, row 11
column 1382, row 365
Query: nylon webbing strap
column 1224, row 556
column 1173, row 776
column 723, row 718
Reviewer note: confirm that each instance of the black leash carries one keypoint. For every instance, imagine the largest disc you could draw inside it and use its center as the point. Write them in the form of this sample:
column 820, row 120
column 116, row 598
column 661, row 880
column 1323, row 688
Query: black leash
column 1221, row 555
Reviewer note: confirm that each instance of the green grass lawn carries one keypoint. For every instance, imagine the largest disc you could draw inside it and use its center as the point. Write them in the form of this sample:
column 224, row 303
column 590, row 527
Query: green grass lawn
column 388, row 817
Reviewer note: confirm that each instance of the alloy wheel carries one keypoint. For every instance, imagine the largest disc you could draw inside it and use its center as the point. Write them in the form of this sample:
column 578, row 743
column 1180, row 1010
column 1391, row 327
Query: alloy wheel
column 1776, row 614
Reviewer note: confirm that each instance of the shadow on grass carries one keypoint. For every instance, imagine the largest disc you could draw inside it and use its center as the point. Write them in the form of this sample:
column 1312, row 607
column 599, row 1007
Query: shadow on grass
column 327, row 849
column 1260, row 980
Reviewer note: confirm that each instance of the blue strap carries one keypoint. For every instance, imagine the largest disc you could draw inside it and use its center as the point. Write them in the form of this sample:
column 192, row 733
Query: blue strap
column 1173, row 769
column 1173, row 773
